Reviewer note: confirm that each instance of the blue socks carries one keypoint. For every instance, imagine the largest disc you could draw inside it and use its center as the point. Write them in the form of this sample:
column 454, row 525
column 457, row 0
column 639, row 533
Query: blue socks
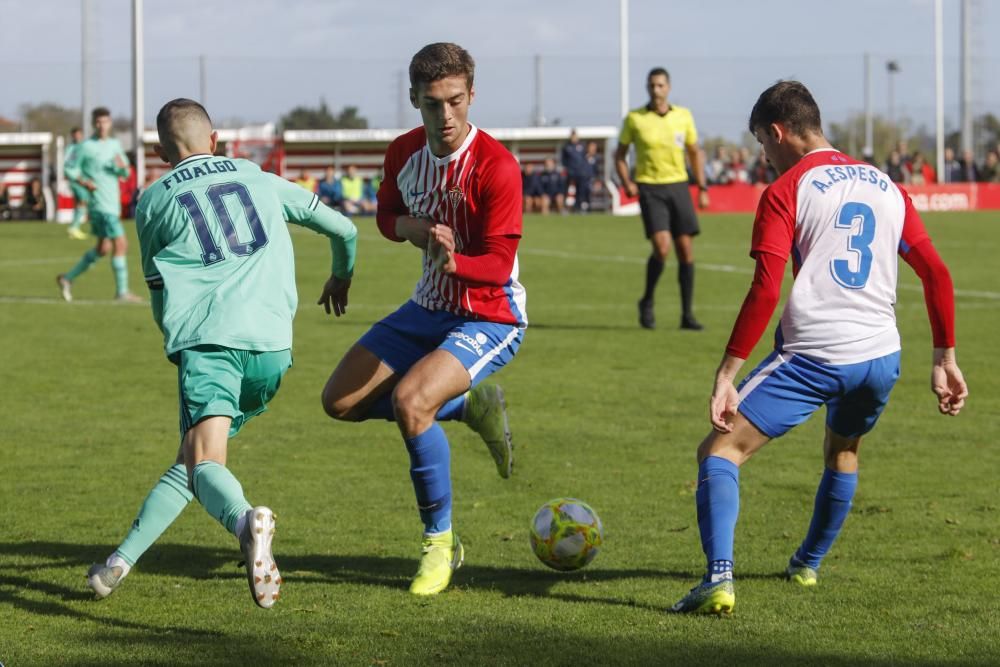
column 88, row 258
column 833, row 503
column 430, row 470
column 718, row 498
column 450, row 411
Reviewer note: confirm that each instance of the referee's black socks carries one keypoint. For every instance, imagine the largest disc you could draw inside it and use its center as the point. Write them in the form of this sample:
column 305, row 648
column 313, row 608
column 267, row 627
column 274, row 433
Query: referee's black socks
column 685, row 276
column 654, row 267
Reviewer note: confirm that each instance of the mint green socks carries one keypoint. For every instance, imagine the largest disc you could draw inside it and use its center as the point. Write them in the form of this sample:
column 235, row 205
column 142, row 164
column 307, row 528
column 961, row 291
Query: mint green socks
column 88, row 258
column 162, row 506
column 78, row 213
column 220, row 493
column 120, row 268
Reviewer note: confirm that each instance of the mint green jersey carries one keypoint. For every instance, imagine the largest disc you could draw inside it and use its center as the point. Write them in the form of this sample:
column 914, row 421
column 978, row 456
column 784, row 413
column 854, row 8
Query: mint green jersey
column 95, row 160
column 217, row 255
column 69, row 161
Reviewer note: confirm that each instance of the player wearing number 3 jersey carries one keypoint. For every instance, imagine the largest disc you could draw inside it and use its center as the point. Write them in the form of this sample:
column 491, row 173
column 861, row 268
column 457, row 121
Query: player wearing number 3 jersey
column 219, row 265
column 842, row 222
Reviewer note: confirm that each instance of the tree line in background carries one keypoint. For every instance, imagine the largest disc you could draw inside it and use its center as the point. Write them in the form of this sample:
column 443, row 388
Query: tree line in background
column 848, row 135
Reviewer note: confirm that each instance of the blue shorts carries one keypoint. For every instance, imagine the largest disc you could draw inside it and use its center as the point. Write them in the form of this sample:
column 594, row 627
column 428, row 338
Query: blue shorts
column 785, row 389
column 412, row 332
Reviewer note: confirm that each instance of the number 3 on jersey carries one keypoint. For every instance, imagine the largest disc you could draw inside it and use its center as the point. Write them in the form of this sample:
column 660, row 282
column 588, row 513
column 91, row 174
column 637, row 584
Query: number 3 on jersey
column 855, row 215
column 211, row 252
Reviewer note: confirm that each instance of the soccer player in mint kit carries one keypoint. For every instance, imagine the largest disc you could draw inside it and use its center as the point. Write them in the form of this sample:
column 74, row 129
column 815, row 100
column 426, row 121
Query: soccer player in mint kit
column 97, row 165
column 843, row 222
column 218, row 260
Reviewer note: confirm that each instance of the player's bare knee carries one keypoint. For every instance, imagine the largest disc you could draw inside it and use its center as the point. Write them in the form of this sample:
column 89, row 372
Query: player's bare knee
column 411, row 406
column 341, row 408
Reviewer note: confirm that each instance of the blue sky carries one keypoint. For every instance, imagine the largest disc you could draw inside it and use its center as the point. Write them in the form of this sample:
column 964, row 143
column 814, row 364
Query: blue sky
column 265, row 56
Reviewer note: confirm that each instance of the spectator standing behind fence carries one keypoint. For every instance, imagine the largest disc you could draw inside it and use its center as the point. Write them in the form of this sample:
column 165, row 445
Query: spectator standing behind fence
column 970, row 171
column 990, row 171
column 762, row 171
column 716, row 170
column 531, row 188
column 5, row 211
column 33, row 206
column 329, row 191
column 921, row 172
column 896, row 169
column 305, row 180
column 553, row 187
column 952, row 167
column 353, row 188
column 578, row 172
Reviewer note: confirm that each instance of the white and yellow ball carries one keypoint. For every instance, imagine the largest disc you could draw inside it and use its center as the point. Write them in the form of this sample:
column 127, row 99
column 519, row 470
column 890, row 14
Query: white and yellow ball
column 566, row 534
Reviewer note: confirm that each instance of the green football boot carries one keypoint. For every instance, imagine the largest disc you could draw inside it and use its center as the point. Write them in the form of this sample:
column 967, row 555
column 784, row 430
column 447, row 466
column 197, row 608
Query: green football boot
column 801, row 573
column 443, row 553
column 708, row 598
column 486, row 414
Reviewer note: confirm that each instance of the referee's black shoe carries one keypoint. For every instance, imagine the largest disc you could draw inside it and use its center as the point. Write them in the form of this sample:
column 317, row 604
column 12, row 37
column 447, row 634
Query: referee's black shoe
column 647, row 319
column 688, row 322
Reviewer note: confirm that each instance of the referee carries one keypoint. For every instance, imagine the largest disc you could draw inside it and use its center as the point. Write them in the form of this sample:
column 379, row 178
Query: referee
column 662, row 134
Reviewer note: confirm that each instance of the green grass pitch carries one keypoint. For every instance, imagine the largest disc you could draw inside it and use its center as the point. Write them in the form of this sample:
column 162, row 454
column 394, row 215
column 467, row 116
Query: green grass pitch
column 600, row 410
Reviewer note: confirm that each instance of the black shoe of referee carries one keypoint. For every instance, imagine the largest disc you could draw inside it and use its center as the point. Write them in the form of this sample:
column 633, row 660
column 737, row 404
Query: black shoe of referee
column 647, row 319
column 688, row 322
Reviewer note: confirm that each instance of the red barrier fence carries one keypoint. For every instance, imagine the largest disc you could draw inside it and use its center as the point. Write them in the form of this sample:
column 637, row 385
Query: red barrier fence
column 742, row 198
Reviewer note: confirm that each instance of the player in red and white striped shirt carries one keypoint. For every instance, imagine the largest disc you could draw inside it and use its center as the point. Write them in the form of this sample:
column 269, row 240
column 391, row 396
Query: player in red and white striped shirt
column 454, row 192
column 843, row 223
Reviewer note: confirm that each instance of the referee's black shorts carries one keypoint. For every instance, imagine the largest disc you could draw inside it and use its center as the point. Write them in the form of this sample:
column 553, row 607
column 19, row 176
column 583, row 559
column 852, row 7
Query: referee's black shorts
column 667, row 208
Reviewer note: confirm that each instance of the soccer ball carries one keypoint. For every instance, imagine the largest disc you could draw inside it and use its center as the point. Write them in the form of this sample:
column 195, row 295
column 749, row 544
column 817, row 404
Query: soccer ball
column 566, row 534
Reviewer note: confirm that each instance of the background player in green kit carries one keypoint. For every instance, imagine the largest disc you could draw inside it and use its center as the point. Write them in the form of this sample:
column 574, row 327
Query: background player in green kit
column 218, row 260
column 81, row 195
column 97, row 165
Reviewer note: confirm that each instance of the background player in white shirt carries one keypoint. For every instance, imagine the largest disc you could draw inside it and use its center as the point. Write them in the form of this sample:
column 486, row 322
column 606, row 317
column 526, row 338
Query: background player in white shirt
column 843, row 222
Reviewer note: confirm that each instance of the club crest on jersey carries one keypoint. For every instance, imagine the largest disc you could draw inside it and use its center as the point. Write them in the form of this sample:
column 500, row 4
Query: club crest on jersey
column 455, row 196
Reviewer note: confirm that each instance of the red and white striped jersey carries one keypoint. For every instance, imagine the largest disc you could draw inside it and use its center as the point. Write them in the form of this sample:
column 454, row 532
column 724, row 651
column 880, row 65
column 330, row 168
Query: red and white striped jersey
column 477, row 192
column 843, row 221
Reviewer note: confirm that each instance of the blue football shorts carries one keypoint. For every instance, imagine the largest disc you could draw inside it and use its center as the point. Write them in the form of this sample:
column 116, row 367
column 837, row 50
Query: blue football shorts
column 406, row 336
column 785, row 389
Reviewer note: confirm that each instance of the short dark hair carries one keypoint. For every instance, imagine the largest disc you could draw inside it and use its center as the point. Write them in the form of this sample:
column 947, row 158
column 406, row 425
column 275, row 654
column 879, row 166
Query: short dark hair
column 173, row 111
column 658, row 71
column 74, row 130
column 789, row 103
column 439, row 60
column 99, row 112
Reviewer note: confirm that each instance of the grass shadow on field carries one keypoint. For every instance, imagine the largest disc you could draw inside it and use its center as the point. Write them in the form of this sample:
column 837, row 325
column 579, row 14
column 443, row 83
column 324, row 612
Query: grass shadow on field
column 203, row 563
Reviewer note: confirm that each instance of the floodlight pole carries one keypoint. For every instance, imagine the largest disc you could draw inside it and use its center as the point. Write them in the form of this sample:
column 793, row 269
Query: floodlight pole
column 939, row 84
column 138, row 93
column 623, row 56
column 966, row 110
column 869, row 149
column 86, row 42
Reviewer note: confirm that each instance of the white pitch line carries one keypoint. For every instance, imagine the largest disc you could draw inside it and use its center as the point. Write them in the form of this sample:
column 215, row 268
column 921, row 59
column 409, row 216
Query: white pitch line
column 48, row 301
column 41, row 260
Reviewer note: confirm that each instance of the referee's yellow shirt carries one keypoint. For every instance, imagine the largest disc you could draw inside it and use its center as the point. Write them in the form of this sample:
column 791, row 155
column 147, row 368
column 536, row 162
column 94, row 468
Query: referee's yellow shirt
column 659, row 143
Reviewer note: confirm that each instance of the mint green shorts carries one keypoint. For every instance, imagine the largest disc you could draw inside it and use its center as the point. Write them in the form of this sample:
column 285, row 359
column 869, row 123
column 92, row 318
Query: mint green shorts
column 105, row 225
column 216, row 381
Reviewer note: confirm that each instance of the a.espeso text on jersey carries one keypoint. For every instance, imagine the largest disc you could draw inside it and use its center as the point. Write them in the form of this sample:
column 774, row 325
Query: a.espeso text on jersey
column 843, row 221
column 477, row 192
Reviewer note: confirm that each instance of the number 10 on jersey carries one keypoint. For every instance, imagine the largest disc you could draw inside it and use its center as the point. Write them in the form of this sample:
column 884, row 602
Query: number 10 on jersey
column 211, row 252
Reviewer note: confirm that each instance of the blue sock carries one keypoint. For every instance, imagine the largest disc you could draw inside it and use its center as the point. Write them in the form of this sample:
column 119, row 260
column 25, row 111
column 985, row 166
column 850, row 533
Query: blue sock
column 88, row 258
column 430, row 470
column 718, row 499
column 382, row 409
column 120, row 269
column 833, row 502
